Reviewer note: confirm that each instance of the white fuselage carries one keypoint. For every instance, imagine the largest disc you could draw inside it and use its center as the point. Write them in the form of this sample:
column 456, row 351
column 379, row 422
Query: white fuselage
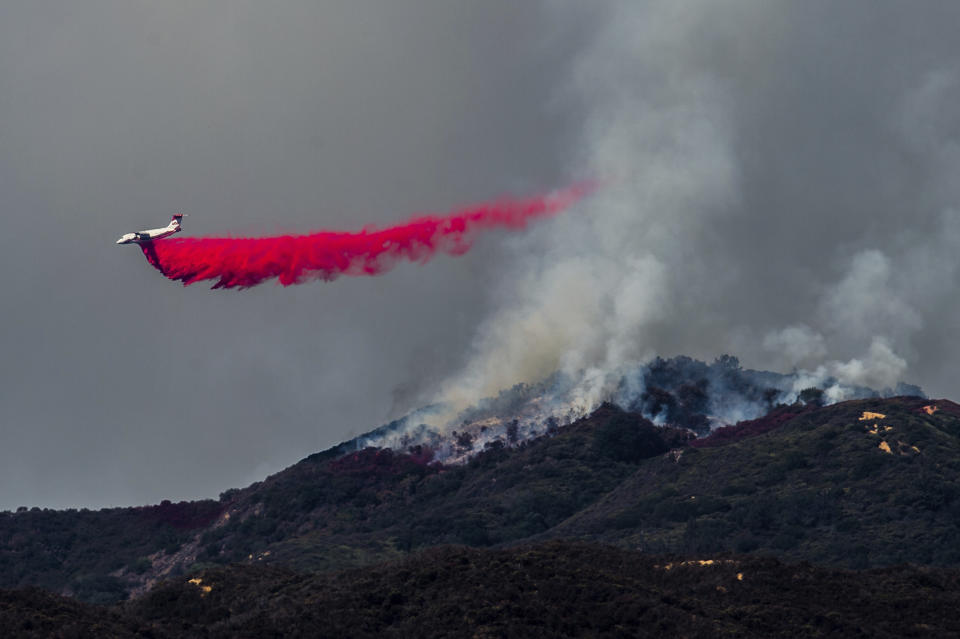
column 150, row 234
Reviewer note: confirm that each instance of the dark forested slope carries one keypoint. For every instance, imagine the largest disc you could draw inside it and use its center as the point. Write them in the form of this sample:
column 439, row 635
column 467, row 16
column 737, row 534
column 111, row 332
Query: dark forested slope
column 858, row 484
column 558, row 589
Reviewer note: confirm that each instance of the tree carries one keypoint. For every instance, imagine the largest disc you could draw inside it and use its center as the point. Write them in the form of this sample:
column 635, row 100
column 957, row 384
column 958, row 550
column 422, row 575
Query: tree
column 812, row 396
column 513, row 429
column 629, row 438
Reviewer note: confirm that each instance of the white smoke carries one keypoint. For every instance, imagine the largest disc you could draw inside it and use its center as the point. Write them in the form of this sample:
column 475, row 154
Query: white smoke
column 742, row 211
column 882, row 300
column 881, row 368
column 796, row 345
column 867, row 300
column 599, row 282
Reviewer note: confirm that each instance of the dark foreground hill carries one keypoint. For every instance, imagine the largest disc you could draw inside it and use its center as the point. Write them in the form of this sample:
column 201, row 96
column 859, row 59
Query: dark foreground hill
column 558, row 589
column 866, row 483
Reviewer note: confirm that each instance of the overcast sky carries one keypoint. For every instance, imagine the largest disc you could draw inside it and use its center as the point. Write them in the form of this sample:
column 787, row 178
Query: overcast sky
column 783, row 187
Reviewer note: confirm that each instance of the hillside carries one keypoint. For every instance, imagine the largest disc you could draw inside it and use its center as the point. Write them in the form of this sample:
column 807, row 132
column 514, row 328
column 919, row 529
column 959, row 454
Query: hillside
column 817, row 486
column 825, row 485
column 804, row 483
column 559, row 589
column 96, row 555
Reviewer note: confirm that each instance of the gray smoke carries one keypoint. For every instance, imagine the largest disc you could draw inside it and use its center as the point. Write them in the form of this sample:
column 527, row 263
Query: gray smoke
column 782, row 186
column 680, row 392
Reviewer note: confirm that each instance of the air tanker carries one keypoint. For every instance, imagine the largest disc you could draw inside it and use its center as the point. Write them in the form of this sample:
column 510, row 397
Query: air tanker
column 141, row 237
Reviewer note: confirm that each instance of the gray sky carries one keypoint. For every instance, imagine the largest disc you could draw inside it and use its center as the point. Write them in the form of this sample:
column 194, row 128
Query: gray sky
column 785, row 190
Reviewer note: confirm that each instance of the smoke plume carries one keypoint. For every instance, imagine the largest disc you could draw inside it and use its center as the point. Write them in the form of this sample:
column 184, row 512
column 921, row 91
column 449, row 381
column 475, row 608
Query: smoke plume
column 680, row 392
column 325, row 255
column 788, row 195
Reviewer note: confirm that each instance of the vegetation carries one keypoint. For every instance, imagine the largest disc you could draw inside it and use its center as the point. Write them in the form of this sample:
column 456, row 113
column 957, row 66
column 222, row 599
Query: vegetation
column 824, row 486
column 33, row 612
column 559, row 589
column 82, row 552
column 385, row 502
column 805, row 483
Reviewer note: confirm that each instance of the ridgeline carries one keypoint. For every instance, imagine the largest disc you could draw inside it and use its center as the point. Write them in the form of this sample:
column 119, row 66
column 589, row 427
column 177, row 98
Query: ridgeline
column 806, row 499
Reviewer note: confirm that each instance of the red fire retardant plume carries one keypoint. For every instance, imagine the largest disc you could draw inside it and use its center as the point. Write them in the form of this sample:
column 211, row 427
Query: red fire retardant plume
column 324, row 255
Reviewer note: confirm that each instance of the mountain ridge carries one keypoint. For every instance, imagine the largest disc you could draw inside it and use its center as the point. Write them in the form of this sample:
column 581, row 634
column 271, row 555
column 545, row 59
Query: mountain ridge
column 635, row 476
column 612, row 477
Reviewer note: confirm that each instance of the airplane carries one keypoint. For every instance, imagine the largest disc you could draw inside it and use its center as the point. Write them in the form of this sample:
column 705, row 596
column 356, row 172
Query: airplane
column 150, row 235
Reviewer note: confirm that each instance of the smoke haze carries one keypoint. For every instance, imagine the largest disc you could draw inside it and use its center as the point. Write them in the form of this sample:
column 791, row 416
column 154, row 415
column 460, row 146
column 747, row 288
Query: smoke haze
column 787, row 196
column 783, row 188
